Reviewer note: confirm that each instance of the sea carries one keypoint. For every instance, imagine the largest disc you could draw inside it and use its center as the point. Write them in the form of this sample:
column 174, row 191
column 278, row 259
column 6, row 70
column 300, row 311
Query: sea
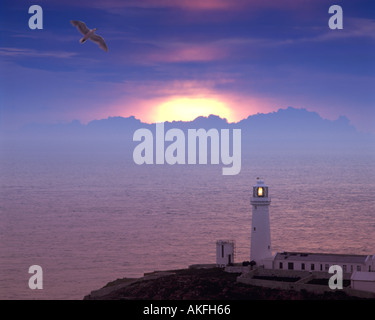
column 89, row 215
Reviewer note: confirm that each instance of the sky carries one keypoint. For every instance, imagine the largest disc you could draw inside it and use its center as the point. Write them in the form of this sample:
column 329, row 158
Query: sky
column 178, row 59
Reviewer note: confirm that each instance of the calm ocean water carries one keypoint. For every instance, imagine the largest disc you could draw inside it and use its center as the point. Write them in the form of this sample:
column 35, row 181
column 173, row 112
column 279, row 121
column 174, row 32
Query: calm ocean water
column 88, row 218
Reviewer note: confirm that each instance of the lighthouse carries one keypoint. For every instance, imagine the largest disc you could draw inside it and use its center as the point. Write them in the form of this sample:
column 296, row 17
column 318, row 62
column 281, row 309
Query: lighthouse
column 260, row 249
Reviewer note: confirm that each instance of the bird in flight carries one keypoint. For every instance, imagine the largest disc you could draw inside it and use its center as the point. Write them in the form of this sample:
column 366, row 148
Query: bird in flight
column 89, row 34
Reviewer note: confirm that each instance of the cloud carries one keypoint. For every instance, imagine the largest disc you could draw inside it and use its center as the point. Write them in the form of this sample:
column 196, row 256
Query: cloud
column 25, row 52
column 353, row 28
column 224, row 51
column 199, row 5
column 175, row 52
column 185, row 4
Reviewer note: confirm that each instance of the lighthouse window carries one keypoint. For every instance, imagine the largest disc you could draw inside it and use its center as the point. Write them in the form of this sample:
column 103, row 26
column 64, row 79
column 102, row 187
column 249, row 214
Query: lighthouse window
column 358, row 268
column 260, row 192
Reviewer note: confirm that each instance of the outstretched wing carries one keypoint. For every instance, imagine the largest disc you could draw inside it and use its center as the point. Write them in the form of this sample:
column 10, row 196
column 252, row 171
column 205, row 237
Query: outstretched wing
column 100, row 41
column 81, row 26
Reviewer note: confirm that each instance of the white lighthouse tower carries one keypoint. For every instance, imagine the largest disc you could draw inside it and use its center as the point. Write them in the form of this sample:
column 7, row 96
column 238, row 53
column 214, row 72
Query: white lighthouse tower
column 260, row 250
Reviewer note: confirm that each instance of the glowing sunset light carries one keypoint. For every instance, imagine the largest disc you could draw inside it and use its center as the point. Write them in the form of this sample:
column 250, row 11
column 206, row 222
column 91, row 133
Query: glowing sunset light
column 187, row 109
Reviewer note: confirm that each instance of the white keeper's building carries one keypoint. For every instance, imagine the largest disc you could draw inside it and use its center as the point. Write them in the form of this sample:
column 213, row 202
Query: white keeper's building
column 359, row 268
column 322, row 261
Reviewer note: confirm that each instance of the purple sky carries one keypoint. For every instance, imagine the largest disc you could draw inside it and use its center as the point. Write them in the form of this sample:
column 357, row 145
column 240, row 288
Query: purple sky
column 238, row 57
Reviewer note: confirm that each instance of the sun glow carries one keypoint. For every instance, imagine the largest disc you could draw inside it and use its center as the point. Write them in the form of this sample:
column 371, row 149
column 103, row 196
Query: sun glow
column 187, row 109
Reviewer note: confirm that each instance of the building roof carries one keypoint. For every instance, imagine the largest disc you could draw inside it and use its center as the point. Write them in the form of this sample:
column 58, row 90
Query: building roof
column 321, row 257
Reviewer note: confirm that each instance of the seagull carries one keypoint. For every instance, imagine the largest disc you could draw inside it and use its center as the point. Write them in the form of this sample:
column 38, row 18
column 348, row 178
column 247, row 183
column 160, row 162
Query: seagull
column 89, row 34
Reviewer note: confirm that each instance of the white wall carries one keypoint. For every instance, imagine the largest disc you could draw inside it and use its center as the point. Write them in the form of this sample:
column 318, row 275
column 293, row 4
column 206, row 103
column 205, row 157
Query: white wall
column 363, row 285
column 260, row 246
column 297, row 265
column 223, row 251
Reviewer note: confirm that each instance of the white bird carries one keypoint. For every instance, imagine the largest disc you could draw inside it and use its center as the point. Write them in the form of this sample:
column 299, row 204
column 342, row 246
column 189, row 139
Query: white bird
column 89, row 34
